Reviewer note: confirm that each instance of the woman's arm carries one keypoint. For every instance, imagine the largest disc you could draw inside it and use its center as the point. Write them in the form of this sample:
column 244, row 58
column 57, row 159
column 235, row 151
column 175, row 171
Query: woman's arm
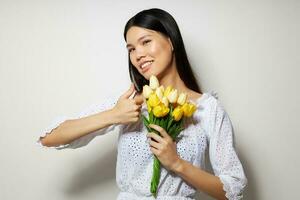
column 200, row 179
column 73, row 129
column 165, row 149
column 96, row 120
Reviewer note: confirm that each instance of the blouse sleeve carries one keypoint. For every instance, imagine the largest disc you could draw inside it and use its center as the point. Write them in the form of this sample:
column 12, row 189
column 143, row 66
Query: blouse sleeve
column 223, row 157
column 84, row 140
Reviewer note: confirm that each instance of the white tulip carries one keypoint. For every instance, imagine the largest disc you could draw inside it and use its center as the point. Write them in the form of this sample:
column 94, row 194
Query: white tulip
column 165, row 101
column 153, row 82
column 147, row 91
column 172, row 97
column 162, row 88
column 182, row 98
column 159, row 93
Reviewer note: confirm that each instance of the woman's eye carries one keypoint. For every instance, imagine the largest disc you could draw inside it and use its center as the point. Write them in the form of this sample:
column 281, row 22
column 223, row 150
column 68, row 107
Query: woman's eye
column 130, row 50
column 146, row 41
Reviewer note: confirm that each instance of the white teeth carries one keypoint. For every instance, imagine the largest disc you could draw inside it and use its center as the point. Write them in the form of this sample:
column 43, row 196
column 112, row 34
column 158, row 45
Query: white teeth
column 146, row 64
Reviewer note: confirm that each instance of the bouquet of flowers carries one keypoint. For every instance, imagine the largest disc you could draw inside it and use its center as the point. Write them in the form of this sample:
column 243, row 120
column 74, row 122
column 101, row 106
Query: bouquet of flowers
column 166, row 109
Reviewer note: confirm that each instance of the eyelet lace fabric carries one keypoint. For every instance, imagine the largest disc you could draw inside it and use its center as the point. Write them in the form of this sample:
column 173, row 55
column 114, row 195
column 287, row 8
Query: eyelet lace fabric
column 209, row 129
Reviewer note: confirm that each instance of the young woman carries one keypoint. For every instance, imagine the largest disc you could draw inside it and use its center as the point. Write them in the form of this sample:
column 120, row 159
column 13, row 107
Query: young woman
column 155, row 47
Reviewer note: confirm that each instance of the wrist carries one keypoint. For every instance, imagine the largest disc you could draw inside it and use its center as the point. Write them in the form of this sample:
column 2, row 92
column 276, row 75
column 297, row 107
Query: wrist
column 114, row 116
column 178, row 165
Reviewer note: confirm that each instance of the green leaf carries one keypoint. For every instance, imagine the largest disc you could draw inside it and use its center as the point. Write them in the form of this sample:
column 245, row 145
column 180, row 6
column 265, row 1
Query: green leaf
column 164, row 123
column 146, row 123
column 169, row 124
column 145, row 120
column 179, row 128
column 181, row 122
column 157, row 121
column 177, row 131
column 154, row 120
column 168, row 117
column 148, row 129
column 171, row 108
column 172, row 131
column 161, row 122
column 151, row 117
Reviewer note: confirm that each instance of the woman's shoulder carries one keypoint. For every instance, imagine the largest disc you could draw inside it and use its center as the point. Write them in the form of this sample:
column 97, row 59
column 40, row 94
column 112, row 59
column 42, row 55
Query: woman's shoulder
column 207, row 104
column 200, row 98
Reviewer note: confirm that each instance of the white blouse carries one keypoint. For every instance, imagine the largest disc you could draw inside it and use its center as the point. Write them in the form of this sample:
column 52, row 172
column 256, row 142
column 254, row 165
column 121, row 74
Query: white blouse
column 209, row 129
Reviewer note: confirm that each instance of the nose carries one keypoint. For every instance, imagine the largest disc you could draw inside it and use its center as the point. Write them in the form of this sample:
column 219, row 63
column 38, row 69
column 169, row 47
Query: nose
column 140, row 53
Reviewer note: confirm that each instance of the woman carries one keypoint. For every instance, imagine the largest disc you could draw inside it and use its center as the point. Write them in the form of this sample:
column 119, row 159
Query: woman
column 155, row 47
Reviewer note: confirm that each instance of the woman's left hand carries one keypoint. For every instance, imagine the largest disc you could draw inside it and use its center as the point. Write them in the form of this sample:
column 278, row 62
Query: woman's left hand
column 164, row 148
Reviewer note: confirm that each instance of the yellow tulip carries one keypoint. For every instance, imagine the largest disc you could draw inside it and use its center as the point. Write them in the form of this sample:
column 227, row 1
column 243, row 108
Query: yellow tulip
column 147, row 91
column 160, row 110
column 188, row 109
column 182, row 98
column 148, row 106
column 167, row 91
column 177, row 113
column 153, row 82
column 153, row 100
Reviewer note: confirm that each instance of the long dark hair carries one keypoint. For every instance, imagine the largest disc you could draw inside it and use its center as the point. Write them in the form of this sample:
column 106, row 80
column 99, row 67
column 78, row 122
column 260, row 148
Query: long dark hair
column 159, row 20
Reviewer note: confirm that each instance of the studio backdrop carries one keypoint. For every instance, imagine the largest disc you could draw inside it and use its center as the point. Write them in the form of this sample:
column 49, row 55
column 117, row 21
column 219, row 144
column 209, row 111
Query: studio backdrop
column 59, row 57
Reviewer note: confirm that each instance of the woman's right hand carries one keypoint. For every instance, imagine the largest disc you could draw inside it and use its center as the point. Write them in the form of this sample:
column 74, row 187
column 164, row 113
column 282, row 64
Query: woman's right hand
column 128, row 110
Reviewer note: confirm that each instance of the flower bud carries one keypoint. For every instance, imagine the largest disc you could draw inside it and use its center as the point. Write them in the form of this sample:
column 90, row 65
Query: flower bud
column 167, row 91
column 165, row 101
column 188, row 109
column 177, row 113
column 159, row 93
column 147, row 91
column 149, row 106
column 172, row 97
column 153, row 82
column 160, row 110
column 153, row 100
column 182, row 98
column 162, row 88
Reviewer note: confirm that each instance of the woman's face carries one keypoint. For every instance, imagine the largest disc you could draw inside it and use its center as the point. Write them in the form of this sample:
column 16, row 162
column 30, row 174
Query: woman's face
column 149, row 51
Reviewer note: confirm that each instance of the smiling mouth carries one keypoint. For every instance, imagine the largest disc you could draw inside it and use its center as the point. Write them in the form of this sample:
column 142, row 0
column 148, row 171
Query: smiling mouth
column 146, row 66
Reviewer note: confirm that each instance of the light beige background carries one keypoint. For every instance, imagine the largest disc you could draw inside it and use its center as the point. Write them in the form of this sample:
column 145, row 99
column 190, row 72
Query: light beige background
column 57, row 57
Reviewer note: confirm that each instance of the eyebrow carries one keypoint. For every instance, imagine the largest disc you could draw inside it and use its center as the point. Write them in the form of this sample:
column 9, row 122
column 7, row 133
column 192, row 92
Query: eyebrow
column 138, row 40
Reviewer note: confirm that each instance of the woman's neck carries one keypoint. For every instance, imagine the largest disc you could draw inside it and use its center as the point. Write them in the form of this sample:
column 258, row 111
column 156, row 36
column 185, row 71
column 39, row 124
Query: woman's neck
column 172, row 78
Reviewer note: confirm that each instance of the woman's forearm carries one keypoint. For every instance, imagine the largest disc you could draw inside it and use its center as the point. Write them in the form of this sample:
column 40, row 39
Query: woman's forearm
column 73, row 129
column 200, row 179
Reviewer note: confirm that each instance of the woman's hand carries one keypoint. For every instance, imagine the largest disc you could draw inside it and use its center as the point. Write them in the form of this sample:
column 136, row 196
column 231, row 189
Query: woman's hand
column 164, row 148
column 128, row 110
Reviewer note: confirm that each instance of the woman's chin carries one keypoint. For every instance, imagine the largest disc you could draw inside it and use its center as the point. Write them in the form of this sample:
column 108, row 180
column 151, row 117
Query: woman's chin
column 148, row 75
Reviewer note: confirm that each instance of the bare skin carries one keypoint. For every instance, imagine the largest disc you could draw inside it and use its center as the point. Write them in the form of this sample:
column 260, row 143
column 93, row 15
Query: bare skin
column 125, row 111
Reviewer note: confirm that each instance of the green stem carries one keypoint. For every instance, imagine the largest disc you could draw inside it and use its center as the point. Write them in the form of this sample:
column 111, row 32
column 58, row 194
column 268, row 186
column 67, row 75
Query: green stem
column 155, row 176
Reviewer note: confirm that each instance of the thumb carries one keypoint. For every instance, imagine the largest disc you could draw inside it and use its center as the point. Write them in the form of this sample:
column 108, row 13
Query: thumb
column 129, row 92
